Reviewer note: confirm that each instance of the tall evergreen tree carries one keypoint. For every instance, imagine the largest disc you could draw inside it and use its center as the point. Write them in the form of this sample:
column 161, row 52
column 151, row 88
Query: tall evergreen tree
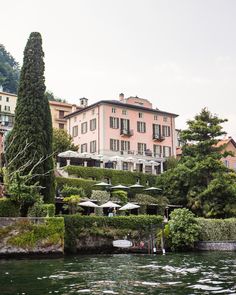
column 33, row 123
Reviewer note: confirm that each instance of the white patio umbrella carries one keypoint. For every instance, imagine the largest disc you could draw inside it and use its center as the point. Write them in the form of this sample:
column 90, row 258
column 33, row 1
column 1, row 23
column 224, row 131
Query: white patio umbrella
column 102, row 184
column 129, row 159
column 152, row 188
column 88, row 204
column 69, row 154
column 129, row 206
column 116, row 158
column 120, row 186
column 154, row 163
column 85, row 155
column 136, row 185
column 110, row 204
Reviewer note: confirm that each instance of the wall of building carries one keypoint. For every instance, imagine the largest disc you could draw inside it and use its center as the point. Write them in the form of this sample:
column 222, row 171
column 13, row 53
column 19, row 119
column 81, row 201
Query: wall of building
column 58, row 111
column 230, row 161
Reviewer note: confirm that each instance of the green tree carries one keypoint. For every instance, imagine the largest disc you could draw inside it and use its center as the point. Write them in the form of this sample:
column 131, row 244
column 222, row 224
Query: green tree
column 62, row 142
column 201, row 181
column 9, row 71
column 50, row 96
column 33, row 123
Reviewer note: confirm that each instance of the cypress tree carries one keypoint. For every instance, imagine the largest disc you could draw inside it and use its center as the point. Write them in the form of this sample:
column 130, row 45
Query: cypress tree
column 33, row 123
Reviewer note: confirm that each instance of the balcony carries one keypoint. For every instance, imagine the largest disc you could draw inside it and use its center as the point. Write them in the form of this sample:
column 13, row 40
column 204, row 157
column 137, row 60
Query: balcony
column 158, row 137
column 126, row 132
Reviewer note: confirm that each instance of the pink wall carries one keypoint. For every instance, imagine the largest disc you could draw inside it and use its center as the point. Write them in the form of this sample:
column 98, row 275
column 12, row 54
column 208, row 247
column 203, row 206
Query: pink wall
column 231, row 160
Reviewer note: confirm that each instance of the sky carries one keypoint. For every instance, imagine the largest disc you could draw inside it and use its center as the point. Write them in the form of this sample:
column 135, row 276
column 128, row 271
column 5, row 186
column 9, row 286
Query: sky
column 180, row 55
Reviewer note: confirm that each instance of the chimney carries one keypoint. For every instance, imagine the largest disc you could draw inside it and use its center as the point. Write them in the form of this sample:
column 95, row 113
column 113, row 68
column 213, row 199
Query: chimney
column 122, row 97
column 83, row 102
column 74, row 108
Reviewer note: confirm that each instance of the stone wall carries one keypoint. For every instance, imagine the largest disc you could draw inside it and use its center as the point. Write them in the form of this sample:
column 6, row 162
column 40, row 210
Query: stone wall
column 216, row 246
column 31, row 236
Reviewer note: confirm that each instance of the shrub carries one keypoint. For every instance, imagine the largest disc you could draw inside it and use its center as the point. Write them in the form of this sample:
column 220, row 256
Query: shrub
column 217, row 229
column 39, row 209
column 75, row 225
column 184, row 229
column 68, row 191
column 8, row 208
column 116, row 176
column 85, row 184
column 72, row 204
column 120, row 196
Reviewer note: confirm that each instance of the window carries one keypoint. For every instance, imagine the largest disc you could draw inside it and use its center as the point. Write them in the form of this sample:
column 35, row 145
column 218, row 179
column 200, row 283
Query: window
column 84, row 115
column 75, row 131
column 84, row 127
column 114, row 122
column 155, row 117
column 7, row 108
column 142, row 148
column 226, row 162
column 0, row 97
column 114, row 145
column 93, row 146
column 124, row 112
column 113, row 110
column 140, row 115
column 141, row 127
column 124, row 124
column 93, row 111
column 61, row 114
column 7, row 99
column 157, row 149
column 61, row 126
column 156, row 130
column 165, row 119
column 75, row 119
column 124, row 145
column 125, row 166
column 84, row 148
column 166, row 151
column 165, row 130
column 93, row 124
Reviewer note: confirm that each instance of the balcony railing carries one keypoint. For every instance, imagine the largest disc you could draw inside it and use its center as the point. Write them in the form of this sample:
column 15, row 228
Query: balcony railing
column 158, row 137
column 126, row 132
column 147, row 153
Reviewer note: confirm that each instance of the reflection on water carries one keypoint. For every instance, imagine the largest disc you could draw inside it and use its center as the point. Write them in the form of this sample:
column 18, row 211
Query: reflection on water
column 192, row 273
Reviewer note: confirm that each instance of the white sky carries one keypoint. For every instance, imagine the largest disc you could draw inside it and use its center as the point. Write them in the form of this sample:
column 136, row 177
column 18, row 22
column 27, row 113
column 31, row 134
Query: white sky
column 181, row 54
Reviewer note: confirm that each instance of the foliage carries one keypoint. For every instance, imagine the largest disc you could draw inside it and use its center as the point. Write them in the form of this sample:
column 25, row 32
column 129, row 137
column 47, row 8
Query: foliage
column 116, row 176
column 144, row 199
column 68, row 191
column 9, row 71
column 217, row 229
column 8, row 208
column 33, row 124
column 170, row 163
column 120, row 196
column 27, row 235
column 75, row 225
column 72, row 204
column 62, row 142
column 39, row 209
column 100, row 196
column 184, row 229
column 201, row 181
column 22, row 192
column 85, row 184
column 50, row 96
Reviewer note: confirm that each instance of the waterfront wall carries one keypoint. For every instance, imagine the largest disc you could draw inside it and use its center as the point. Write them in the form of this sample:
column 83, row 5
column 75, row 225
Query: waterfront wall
column 216, row 246
column 31, row 236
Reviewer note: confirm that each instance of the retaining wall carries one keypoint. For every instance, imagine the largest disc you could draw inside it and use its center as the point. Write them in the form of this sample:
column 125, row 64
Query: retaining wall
column 216, row 246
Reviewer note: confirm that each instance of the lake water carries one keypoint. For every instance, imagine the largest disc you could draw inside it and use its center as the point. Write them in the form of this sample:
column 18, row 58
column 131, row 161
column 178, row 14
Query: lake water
column 192, row 273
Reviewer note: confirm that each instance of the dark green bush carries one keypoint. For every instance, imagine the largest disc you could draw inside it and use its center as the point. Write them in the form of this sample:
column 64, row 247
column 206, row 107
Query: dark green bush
column 76, row 224
column 183, row 229
column 68, row 191
column 8, row 208
column 85, row 184
column 217, row 229
column 116, row 176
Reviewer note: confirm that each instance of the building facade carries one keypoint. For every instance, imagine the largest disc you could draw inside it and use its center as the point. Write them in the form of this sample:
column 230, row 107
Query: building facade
column 126, row 134
column 229, row 146
column 58, row 111
column 7, row 114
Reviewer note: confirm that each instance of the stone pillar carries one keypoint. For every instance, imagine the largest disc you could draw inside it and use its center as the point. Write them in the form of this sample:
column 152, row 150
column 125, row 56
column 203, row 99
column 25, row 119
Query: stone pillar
column 85, row 163
column 58, row 165
column 67, row 162
column 101, row 164
column 143, row 168
column 131, row 167
column 162, row 170
column 153, row 169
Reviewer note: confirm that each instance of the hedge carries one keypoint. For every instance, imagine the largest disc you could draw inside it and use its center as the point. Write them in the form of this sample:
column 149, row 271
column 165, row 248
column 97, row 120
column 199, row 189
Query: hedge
column 116, row 176
column 8, row 208
column 85, row 184
column 217, row 229
column 76, row 224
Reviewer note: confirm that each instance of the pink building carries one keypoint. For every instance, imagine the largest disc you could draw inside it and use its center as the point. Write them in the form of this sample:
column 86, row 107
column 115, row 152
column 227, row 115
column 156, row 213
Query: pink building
column 126, row 134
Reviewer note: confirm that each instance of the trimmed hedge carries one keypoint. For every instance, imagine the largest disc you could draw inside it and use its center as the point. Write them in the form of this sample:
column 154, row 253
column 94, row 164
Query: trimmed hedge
column 8, row 208
column 75, row 225
column 85, row 184
column 217, row 229
column 116, row 176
